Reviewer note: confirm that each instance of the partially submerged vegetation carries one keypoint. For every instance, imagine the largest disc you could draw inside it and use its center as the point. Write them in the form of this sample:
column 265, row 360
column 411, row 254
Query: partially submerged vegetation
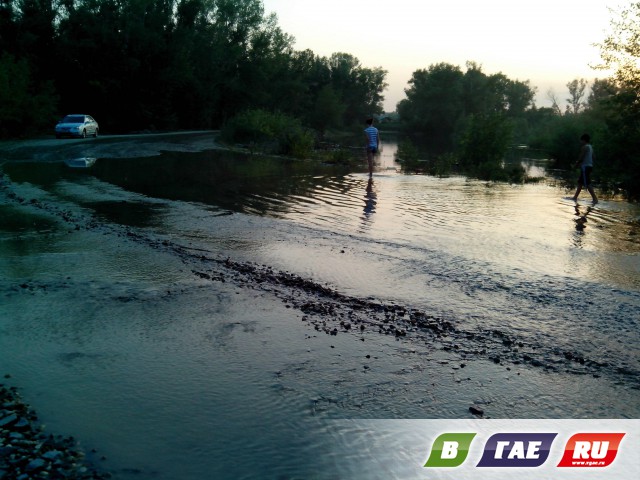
column 476, row 117
column 269, row 132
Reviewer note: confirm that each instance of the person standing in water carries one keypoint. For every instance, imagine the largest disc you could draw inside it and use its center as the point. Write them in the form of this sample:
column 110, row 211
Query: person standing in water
column 373, row 143
column 585, row 161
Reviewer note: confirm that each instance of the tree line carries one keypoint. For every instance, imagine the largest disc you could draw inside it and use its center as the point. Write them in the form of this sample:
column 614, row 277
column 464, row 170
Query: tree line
column 472, row 114
column 168, row 64
column 471, row 119
column 184, row 64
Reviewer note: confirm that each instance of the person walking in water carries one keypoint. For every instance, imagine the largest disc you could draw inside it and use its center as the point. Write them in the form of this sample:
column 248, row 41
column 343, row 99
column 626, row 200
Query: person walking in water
column 373, row 143
column 585, row 161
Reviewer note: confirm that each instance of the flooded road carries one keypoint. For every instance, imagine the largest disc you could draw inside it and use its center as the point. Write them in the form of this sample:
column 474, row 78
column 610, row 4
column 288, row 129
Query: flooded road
column 205, row 314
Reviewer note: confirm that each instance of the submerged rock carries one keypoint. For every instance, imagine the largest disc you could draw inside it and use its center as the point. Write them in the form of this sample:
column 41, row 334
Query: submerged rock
column 476, row 410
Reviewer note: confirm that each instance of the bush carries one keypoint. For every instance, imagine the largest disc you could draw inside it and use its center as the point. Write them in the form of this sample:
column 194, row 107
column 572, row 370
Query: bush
column 443, row 165
column 485, row 141
column 339, row 156
column 269, row 132
column 27, row 107
column 407, row 155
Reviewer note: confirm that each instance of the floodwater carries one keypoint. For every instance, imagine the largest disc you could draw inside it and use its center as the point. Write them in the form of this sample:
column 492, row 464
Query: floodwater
column 143, row 307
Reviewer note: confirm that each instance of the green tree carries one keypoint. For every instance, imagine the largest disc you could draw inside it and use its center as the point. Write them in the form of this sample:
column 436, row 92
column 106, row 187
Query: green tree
column 8, row 27
column 602, row 91
column 520, row 97
column 485, row 143
column 443, row 103
column 434, row 104
column 166, row 64
column 474, row 87
column 360, row 88
column 577, row 89
column 620, row 53
column 25, row 106
column 328, row 111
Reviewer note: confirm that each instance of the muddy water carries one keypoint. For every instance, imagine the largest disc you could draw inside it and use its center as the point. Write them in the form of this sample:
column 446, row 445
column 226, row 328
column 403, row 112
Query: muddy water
column 202, row 315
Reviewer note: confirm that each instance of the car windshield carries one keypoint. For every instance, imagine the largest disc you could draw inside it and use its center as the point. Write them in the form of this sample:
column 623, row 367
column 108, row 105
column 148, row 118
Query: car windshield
column 73, row 119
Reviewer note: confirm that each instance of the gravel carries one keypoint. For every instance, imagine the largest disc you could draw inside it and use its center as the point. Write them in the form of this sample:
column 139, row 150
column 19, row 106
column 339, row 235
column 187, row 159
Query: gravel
column 28, row 452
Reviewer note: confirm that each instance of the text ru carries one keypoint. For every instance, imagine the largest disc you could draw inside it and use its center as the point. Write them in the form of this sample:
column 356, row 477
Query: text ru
column 585, row 450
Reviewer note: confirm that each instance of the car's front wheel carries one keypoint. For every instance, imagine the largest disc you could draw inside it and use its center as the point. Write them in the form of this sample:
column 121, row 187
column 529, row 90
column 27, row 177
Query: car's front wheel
column 84, row 134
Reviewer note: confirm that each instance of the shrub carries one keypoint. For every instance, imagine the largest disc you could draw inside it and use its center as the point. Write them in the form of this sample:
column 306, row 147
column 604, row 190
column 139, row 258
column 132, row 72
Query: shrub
column 407, row 155
column 269, row 132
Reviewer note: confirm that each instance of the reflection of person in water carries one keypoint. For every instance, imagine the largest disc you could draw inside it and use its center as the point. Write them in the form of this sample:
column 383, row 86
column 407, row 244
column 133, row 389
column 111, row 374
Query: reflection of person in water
column 581, row 221
column 370, row 198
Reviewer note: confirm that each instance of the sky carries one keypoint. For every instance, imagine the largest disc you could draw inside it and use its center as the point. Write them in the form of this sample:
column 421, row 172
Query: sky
column 548, row 42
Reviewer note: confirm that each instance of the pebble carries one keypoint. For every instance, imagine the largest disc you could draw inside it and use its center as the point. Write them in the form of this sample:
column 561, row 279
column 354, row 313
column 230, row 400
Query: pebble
column 8, row 420
column 27, row 453
column 35, row 464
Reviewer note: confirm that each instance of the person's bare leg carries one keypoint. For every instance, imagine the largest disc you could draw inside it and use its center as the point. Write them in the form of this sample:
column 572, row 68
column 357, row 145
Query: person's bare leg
column 593, row 194
column 578, row 190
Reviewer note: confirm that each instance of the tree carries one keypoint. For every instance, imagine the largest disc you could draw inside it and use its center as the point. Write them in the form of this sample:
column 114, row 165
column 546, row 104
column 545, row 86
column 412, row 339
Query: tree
column 520, row 96
column 446, row 106
column 26, row 106
column 359, row 88
column 485, row 142
column 602, row 90
column 434, row 104
column 576, row 94
column 620, row 51
column 474, row 86
column 551, row 95
column 328, row 111
column 8, row 28
column 167, row 64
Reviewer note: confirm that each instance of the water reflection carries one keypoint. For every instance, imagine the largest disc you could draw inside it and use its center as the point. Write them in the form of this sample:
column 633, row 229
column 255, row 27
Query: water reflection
column 581, row 221
column 370, row 198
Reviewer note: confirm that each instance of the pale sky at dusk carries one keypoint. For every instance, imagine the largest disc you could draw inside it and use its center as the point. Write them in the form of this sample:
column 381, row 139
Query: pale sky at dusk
column 547, row 42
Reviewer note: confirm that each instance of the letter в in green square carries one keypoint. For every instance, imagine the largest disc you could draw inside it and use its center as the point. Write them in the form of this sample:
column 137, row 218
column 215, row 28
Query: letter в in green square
column 463, row 441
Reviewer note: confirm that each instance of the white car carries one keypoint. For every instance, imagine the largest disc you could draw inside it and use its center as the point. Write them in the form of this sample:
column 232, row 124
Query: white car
column 77, row 126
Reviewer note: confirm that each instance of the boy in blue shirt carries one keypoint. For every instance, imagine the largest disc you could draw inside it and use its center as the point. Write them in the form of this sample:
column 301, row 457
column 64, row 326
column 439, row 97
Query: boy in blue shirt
column 373, row 143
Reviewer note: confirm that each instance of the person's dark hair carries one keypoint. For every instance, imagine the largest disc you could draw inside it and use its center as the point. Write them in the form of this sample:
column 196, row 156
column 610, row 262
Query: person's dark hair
column 369, row 121
column 586, row 138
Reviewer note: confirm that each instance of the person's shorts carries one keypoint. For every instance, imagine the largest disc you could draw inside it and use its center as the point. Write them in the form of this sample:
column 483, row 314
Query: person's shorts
column 585, row 176
column 372, row 149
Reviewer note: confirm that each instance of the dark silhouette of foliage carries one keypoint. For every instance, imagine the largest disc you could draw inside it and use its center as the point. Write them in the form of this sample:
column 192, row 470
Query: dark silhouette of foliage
column 170, row 64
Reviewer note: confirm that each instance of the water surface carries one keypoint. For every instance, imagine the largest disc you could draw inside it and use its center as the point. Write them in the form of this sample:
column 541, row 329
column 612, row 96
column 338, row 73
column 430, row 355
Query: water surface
column 172, row 374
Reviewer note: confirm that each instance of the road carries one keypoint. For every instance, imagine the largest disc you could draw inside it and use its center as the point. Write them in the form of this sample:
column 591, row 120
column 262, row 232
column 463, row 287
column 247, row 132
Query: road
column 106, row 146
